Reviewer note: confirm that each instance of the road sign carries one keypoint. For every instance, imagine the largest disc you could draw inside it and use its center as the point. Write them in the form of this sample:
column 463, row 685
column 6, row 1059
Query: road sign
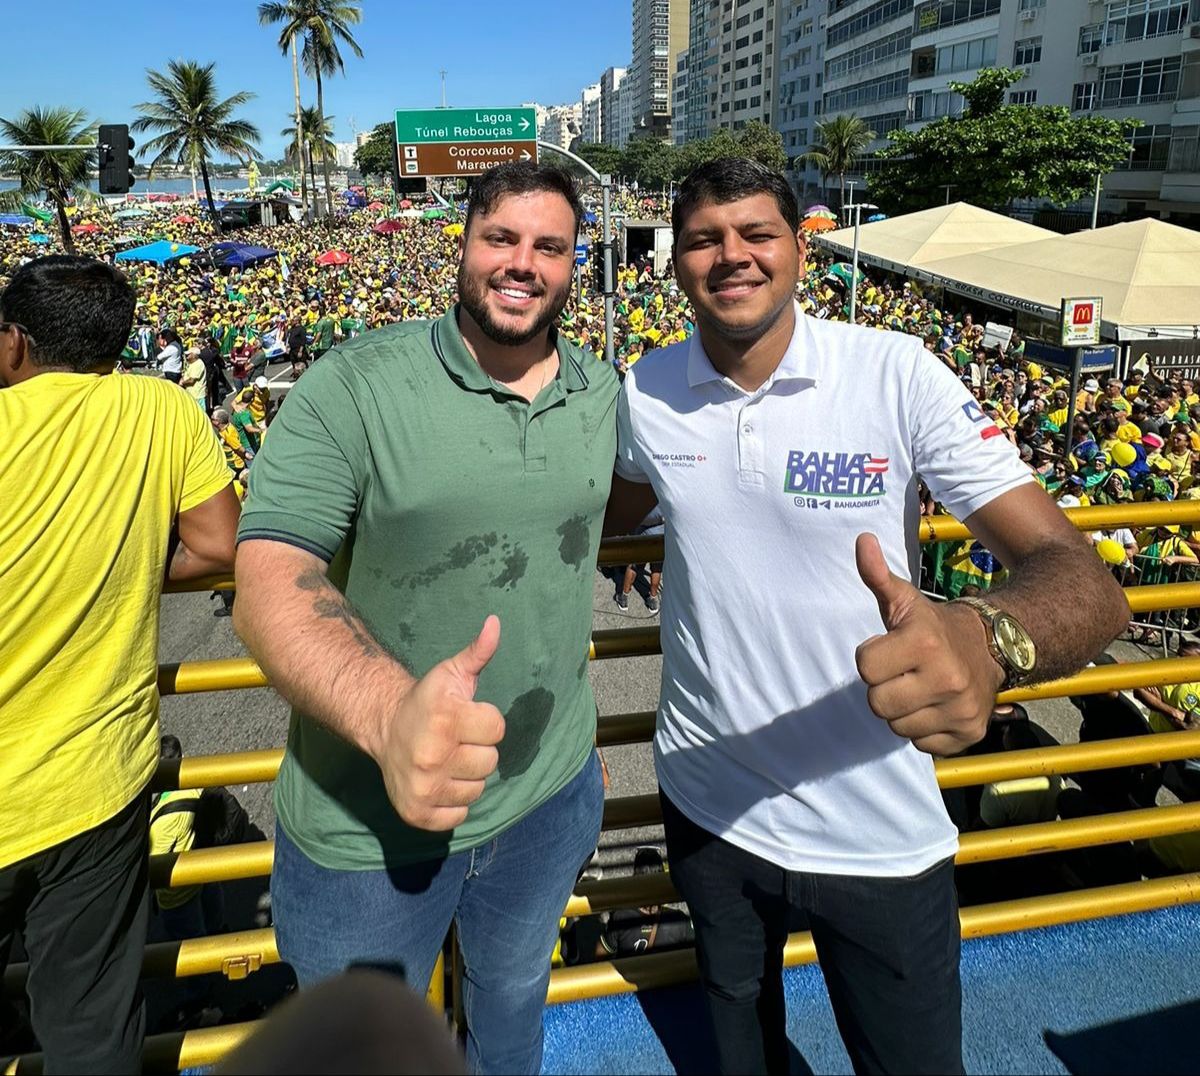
column 581, row 254
column 1081, row 322
column 460, row 158
column 463, row 141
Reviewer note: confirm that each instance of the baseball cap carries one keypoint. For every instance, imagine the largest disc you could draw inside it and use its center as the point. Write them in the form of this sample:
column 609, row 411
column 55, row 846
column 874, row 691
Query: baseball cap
column 261, row 382
column 1091, row 385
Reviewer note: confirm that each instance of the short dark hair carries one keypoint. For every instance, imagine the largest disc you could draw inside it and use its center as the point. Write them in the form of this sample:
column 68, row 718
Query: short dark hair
column 730, row 179
column 521, row 177
column 170, row 747
column 79, row 311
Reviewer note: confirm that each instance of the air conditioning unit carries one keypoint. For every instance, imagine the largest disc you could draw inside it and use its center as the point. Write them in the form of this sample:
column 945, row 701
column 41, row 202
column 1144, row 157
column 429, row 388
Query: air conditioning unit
column 1027, row 16
column 1090, row 60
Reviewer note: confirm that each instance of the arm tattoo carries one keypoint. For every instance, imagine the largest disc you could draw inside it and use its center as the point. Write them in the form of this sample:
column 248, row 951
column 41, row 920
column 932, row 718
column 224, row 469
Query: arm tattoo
column 331, row 604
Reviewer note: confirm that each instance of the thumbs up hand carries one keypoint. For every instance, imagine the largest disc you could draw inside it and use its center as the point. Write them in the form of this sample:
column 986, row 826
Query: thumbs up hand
column 439, row 746
column 930, row 676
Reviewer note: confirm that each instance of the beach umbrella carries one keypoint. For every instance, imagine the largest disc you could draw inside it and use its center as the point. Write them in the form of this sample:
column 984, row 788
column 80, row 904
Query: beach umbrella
column 818, row 224
column 333, row 257
column 183, row 218
column 40, row 239
column 876, row 216
column 375, row 205
column 453, row 230
column 841, row 271
column 126, row 240
column 86, row 229
column 405, row 203
column 819, row 211
column 433, row 214
column 388, row 227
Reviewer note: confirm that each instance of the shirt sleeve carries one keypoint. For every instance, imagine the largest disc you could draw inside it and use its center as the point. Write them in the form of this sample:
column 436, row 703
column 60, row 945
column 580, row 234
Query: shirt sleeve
column 964, row 458
column 307, row 478
column 628, row 465
column 205, row 472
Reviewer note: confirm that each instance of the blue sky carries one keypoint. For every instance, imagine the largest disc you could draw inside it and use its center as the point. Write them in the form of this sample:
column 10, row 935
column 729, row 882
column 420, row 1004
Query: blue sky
column 94, row 56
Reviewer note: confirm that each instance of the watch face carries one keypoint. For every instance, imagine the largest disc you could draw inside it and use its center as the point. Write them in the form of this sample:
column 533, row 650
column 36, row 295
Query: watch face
column 1015, row 644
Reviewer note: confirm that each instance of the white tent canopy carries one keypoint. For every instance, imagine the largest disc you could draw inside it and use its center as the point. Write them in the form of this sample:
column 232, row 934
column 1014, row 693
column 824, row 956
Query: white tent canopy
column 1147, row 273
column 901, row 244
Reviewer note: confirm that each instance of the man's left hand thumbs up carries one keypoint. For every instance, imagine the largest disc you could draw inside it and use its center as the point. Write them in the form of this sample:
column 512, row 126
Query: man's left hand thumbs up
column 930, row 676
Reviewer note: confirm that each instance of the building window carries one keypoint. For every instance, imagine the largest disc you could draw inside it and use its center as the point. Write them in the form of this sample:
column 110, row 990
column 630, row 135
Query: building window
column 742, row 42
column 865, row 55
column 1023, row 97
column 943, row 13
column 1083, row 99
column 866, row 21
column 1030, row 5
column 1143, row 83
column 1185, row 150
column 1027, row 51
column 1137, row 20
column 967, row 55
column 876, row 89
column 1091, row 38
column 743, row 21
column 930, row 105
column 758, row 36
column 1150, row 148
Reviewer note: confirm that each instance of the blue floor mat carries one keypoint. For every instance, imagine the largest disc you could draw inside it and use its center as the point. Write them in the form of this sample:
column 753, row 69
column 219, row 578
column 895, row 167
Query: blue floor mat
column 1114, row 996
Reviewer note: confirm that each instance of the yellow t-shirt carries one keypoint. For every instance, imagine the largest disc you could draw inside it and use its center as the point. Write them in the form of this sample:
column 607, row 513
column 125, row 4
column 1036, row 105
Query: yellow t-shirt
column 194, row 372
column 95, row 471
column 174, row 830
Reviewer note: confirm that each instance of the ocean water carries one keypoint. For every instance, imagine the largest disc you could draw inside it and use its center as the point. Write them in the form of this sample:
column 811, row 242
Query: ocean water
column 173, row 186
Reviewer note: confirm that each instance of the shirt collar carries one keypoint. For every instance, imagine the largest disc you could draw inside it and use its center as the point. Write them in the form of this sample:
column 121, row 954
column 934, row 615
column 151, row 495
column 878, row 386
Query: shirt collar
column 460, row 364
column 799, row 362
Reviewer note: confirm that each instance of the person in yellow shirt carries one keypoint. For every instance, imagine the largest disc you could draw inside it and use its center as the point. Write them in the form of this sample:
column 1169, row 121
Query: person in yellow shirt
column 258, row 398
column 105, row 470
column 194, row 381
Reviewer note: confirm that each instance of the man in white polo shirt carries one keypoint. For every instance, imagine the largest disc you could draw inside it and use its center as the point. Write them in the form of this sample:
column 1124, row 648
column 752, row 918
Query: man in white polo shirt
column 805, row 686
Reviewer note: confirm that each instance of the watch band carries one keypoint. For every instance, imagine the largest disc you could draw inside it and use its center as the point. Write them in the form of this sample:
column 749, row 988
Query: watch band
column 988, row 613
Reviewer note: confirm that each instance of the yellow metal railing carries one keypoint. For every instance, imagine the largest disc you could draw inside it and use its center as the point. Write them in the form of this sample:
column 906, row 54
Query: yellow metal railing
column 238, row 955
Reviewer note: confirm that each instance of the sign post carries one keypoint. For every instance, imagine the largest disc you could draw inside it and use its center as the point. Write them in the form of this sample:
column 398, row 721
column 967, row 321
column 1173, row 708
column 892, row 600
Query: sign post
column 1079, row 321
column 438, row 142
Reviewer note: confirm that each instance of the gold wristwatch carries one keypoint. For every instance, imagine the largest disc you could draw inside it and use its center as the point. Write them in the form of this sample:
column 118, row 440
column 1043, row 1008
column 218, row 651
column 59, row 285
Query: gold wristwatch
column 1008, row 642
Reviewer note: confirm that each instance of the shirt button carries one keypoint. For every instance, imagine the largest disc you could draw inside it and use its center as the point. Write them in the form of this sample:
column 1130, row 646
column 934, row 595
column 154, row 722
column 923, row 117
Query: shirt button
column 747, row 429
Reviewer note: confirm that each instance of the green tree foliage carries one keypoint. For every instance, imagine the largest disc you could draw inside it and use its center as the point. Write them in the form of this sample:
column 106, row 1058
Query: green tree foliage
column 763, row 144
column 376, row 156
column 649, row 162
column 605, row 159
column 62, row 174
column 316, row 148
column 995, row 153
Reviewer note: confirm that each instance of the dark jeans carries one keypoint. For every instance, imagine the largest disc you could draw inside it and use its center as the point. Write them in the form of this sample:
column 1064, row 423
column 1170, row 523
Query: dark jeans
column 174, row 376
column 83, row 908
column 889, row 950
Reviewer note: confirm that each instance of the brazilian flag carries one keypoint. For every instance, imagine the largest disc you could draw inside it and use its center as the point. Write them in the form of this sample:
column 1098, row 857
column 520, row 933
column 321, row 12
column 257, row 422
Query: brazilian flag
column 970, row 565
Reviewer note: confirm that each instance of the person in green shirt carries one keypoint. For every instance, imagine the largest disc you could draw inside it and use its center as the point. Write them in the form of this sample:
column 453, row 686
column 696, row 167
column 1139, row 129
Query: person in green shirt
column 428, row 478
column 322, row 332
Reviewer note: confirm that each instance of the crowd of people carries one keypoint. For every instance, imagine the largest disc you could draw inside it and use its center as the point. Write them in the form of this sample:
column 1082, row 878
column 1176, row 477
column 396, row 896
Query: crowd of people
column 387, row 790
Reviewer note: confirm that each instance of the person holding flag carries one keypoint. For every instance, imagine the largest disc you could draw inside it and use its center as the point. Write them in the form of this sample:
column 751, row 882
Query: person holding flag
column 807, row 682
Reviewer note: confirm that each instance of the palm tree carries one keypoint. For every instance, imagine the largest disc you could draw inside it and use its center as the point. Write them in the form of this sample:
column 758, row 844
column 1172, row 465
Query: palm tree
column 841, row 142
column 321, row 24
column 62, row 174
column 315, row 148
column 192, row 122
column 269, row 13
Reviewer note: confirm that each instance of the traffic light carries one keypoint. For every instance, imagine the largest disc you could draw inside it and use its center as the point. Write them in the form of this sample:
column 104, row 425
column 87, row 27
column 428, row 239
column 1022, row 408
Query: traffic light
column 116, row 164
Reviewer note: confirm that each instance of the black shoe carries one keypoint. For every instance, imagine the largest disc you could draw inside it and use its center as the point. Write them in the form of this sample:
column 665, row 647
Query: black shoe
column 225, row 610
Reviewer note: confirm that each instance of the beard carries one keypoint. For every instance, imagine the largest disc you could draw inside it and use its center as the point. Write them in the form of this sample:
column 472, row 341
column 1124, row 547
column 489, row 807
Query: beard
column 473, row 295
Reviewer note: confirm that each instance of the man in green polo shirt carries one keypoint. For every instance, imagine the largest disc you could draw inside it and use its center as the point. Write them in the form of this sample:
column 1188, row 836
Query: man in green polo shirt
column 426, row 479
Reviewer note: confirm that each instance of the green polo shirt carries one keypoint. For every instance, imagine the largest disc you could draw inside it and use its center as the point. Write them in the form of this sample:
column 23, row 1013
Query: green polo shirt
column 439, row 497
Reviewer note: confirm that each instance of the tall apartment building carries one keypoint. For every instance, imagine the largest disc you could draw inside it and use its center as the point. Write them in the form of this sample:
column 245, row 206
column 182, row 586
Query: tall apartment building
column 591, row 104
column 731, row 64
column 561, row 124
column 891, row 62
column 610, row 86
column 799, row 64
column 660, row 33
column 626, row 115
column 679, row 95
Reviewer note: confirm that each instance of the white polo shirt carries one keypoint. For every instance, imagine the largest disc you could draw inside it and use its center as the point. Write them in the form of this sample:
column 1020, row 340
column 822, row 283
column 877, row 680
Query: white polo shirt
column 764, row 733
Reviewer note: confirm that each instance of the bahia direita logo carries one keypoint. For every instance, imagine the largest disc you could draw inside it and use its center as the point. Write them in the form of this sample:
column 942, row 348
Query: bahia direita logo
column 835, row 479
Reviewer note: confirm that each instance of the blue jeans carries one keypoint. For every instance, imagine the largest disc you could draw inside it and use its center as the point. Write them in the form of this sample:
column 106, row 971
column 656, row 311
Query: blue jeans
column 506, row 896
